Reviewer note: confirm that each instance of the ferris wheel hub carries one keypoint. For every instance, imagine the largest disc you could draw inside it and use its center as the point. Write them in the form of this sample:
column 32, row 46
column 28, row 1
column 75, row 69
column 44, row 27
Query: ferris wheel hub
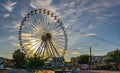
column 46, row 37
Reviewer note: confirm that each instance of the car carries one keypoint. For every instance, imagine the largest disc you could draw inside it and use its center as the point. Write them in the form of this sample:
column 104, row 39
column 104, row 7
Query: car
column 2, row 67
column 112, row 67
column 85, row 67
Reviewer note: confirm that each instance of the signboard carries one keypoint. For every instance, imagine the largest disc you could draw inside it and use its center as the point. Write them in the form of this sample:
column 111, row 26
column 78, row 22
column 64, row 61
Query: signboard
column 92, row 59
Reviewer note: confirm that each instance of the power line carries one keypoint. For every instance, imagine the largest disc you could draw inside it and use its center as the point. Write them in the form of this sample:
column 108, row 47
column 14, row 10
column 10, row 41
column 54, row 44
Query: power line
column 95, row 50
column 96, row 37
column 105, row 40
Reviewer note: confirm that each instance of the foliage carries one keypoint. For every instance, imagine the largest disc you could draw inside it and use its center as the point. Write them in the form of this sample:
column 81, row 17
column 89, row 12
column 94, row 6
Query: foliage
column 113, row 57
column 19, row 59
column 35, row 63
column 84, row 59
column 21, row 62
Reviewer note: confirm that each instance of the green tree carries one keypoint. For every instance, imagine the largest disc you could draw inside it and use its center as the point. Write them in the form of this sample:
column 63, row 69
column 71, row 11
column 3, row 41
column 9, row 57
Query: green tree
column 113, row 56
column 84, row 59
column 35, row 63
column 19, row 59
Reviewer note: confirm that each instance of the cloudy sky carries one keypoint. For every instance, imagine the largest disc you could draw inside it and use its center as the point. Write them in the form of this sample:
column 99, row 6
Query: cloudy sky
column 89, row 23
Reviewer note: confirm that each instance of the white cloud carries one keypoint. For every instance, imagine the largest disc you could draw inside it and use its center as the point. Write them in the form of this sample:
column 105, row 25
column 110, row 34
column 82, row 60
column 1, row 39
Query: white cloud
column 37, row 3
column 89, row 34
column 69, row 12
column 14, row 26
column 98, row 8
column 6, row 15
column 42, row 4
column 11, row 38
column 24, row 12
column 16, row 44
column 75, row 53
column 109, row 3
column 9, row 5
column 90, row 26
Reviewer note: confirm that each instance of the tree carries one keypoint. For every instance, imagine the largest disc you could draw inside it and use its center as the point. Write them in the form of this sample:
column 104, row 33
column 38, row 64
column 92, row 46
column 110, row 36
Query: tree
column 113, row 57
column 35, row 63
column 84, row 59
column 19, row 59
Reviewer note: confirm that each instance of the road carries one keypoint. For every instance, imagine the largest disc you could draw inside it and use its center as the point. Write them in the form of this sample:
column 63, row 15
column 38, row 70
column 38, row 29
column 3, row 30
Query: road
column 98, row 71
column 44, row 71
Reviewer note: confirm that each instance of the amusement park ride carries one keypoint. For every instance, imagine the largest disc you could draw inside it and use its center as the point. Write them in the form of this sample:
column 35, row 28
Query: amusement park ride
column 43, row 34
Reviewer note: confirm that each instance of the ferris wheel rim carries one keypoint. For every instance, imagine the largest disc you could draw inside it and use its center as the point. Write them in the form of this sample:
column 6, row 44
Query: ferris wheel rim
column 46, row 12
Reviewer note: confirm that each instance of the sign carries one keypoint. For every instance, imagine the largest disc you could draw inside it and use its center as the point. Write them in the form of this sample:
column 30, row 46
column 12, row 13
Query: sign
column 92, row 59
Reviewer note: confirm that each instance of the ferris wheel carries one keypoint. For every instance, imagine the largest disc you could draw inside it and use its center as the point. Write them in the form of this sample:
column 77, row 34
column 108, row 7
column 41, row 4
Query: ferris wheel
column 43, row 34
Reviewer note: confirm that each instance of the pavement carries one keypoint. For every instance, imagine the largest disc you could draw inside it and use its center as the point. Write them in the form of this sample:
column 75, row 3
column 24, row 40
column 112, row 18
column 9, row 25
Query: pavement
column 49, row 71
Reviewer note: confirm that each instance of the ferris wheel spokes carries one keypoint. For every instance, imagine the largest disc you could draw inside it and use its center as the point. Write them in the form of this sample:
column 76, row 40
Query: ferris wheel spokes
column 42, row 33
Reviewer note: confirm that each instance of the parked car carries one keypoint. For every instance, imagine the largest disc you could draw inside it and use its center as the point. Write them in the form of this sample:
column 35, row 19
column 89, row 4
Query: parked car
column 85, row 67
column 2, row 67
column 112, row 67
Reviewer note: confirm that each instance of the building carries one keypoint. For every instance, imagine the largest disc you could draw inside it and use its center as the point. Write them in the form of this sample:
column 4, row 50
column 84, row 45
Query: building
column 99, row 59
column 2, row 61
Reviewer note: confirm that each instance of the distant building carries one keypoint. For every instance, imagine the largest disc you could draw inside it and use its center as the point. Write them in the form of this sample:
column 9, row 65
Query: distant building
column 96, row 59
column 99, row 59
column 2, row 61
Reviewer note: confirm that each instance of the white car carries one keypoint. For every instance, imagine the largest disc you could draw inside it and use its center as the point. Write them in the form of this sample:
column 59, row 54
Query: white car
column 1, row 66
column 84, row 67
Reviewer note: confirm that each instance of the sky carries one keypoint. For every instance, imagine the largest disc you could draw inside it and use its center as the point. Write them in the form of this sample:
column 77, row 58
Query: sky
column 89, row 23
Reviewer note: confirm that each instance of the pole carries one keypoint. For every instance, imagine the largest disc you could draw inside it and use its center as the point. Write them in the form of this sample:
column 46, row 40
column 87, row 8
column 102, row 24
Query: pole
column 90, row 58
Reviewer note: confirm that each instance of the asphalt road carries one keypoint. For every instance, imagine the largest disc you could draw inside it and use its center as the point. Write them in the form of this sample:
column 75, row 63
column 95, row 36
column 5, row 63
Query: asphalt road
column 98, row 71
column 80, row 71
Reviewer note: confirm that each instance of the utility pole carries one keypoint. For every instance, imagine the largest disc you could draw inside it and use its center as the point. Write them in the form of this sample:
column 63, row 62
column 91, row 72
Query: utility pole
column 90, row 58
column 90, row 50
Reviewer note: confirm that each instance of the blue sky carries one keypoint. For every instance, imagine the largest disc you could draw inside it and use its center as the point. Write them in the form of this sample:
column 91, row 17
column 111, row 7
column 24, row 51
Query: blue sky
column 88, row 22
